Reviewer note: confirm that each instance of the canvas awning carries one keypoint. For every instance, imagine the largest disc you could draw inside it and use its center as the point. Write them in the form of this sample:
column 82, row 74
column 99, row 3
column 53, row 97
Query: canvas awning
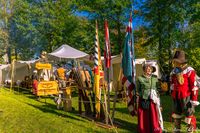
column 67, row 52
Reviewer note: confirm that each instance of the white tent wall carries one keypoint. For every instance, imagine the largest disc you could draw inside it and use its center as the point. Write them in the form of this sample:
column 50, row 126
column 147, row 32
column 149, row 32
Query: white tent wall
column 116, row 68
column 21, row 70
column 3, row 73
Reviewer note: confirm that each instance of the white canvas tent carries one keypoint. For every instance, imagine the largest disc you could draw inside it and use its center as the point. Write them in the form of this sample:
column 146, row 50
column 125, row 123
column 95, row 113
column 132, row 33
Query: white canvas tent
column 66, row 52
column 116, row 66
column 21, row 69
column 3, row 72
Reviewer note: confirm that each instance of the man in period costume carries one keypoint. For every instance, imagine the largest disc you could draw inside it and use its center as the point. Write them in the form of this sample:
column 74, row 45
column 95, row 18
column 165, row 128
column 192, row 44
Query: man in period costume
column 60, row 75
column 184, row 92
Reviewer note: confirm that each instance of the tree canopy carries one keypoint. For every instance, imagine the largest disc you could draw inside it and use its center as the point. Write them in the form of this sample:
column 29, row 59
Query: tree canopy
column 29, row 26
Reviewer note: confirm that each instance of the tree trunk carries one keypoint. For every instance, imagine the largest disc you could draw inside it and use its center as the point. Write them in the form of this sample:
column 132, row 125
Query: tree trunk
column 16, row 53
column 9, row 54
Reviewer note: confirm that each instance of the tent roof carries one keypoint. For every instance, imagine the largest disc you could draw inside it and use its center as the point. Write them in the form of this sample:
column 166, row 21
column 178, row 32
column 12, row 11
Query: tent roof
column 67, row 52
column 28, row 62
column 20, row 63
column 117, row 59
column 2, row 66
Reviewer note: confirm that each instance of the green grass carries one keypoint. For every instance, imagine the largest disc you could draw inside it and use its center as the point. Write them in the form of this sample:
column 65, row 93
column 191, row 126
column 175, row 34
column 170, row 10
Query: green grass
column 21, row 113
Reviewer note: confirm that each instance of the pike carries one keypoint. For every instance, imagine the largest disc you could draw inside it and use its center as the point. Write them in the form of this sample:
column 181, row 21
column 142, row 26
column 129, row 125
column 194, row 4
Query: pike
column 97, row 69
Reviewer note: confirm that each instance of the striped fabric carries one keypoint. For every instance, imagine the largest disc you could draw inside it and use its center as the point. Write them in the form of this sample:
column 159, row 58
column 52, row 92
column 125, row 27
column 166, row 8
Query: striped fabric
column 128, row 67
column 97, row 73
column 96, row 51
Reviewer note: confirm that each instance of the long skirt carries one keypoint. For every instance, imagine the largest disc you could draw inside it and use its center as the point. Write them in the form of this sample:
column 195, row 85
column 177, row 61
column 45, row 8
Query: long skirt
column 148, row 121
column 35, row 86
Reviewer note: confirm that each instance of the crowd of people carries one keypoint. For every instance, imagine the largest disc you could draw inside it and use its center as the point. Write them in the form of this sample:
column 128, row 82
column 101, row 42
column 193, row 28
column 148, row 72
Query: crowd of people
column 183, row 91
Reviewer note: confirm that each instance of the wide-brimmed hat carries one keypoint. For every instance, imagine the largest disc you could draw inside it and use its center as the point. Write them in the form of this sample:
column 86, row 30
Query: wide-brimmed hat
column 149, row 65
column 179, row 57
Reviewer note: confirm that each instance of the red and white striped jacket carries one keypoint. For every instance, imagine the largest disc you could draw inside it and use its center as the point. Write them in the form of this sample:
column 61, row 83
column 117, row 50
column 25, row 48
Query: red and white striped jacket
column 188, row 88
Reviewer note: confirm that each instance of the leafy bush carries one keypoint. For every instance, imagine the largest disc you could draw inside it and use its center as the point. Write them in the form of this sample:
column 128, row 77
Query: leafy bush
column 194, row 59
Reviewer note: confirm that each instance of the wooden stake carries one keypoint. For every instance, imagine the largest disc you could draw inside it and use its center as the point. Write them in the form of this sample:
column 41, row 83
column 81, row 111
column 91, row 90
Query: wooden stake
column 105, row 106
column 116, row 90
column 12, row 74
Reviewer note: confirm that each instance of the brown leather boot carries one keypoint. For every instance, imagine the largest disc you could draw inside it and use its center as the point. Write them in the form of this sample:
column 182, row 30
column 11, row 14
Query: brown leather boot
column 177, row 124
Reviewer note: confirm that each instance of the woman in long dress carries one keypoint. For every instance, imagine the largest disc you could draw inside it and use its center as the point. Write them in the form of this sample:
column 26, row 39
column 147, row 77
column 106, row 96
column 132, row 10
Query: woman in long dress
column 149, row 114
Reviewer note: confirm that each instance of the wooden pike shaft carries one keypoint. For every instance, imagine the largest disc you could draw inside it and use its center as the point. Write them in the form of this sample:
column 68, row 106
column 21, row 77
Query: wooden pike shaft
column 97, row 68
column 98, row 96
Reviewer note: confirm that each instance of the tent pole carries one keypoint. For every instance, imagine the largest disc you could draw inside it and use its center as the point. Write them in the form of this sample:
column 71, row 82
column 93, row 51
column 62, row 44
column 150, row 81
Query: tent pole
column 108, row 84
column 12, row 74
column 116, row 90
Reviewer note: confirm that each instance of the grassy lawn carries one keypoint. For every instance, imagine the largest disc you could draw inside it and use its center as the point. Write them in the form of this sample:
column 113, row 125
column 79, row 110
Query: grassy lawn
column 21, row 113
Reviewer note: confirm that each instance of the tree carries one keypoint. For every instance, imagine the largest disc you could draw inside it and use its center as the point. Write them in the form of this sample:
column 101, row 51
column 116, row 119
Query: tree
column 45, row 25
column 166, row 21
column 115, row 11
column 140, row 38
column 194, row 60
column 6, row 13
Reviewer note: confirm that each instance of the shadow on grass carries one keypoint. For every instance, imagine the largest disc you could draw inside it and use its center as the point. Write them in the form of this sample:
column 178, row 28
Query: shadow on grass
column 44, row 100
column 123, row 124
column 22, row 90
column 48, row 108
column 126, row 125
column 122, row 110
column 167, row 106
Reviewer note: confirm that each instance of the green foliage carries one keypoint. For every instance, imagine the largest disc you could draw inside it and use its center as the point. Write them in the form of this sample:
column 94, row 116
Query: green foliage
column 140, row 37
column 194, row 35
column 6, row 8
column 45, row 25
column 167, row 27
column 116, row 12
column 194, row 59
column 195, row 13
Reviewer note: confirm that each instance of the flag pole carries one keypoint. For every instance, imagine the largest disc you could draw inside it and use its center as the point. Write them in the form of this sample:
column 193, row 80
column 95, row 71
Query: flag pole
column 128, row 67
column 108, row 78
column 107, row 61
column 132, row 44
column 133, row 53
column 97, row 74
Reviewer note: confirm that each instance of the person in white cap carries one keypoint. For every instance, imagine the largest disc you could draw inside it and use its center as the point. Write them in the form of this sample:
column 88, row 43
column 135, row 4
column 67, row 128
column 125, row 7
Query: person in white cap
column 149, row 113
